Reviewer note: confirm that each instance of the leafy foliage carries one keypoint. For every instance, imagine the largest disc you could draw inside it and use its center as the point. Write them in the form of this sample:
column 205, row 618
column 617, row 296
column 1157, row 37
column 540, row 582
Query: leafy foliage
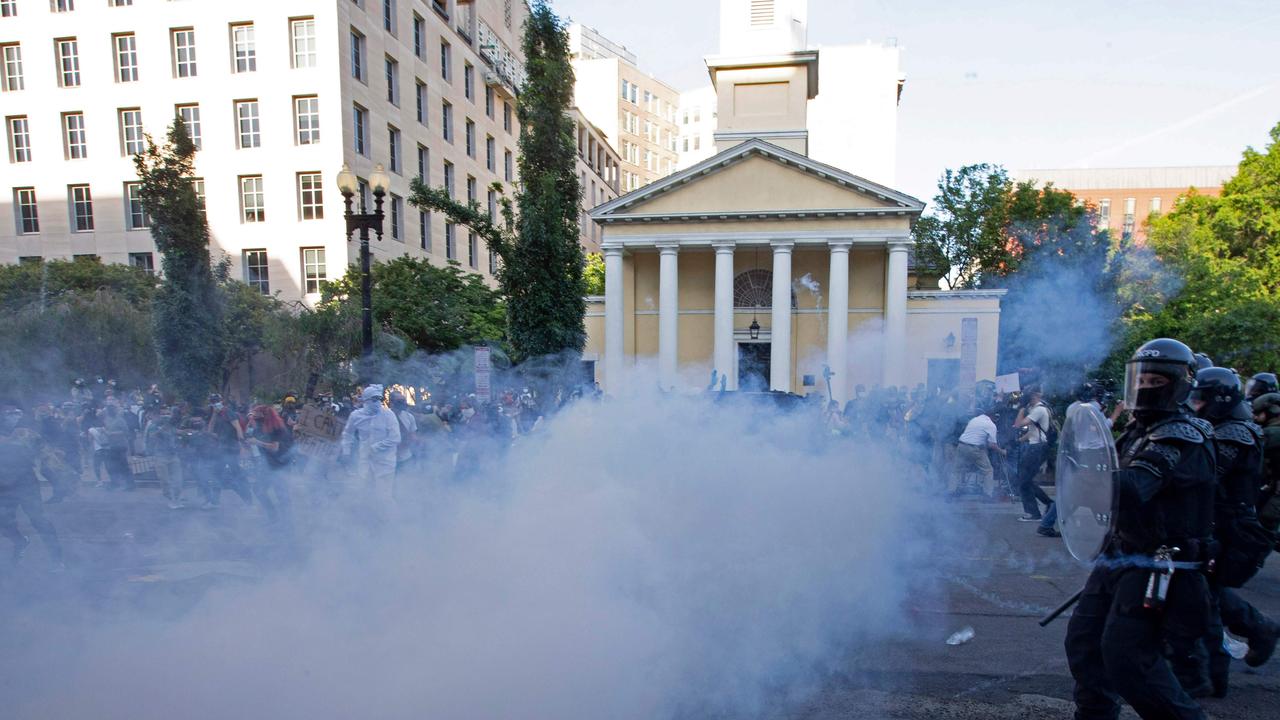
column 593, row 274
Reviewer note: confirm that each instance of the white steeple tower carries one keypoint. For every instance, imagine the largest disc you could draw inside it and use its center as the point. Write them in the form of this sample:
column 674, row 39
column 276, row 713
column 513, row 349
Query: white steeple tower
column 759, row 27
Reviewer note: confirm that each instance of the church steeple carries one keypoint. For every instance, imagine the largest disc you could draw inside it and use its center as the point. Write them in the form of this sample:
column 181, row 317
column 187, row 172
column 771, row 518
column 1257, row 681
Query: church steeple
column 754, row 27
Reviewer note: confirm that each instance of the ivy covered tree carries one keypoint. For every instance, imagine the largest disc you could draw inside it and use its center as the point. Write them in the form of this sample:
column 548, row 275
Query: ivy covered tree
column 187, row 308
column 541, row 273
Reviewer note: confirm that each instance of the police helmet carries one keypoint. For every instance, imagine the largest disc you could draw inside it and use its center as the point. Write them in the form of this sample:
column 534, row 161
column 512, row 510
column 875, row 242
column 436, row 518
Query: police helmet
column 1261, row 384
column 1159, row 376
column 1267, row 405
column 1217, row 392
column 1203, row 361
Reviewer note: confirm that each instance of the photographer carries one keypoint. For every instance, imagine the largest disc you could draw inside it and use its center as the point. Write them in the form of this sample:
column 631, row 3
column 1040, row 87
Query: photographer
column 1034, row 417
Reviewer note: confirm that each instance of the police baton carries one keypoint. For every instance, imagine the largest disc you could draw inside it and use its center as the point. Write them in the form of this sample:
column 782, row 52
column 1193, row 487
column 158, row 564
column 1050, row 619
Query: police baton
column 1065, row 606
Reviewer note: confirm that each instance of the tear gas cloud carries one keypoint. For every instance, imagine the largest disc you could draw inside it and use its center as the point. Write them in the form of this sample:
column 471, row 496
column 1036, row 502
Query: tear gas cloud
column 639, row 558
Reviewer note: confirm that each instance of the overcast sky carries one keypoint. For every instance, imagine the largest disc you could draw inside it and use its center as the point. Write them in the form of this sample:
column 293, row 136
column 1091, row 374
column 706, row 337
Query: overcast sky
column 1023, row 83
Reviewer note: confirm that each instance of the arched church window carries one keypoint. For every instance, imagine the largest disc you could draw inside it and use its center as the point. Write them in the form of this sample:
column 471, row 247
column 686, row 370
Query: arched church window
column 754, row 289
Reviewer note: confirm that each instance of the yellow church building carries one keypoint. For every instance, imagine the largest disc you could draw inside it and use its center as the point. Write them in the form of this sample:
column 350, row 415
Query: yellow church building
column 692, row 261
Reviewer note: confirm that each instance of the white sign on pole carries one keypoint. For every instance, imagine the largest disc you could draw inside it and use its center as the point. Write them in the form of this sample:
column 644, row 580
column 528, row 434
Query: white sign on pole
column 483, row 392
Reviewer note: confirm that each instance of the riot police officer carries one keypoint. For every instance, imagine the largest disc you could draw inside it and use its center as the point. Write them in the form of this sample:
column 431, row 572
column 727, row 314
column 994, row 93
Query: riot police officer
column 1266, row 412
column 1163, row 518
column 1259, row 385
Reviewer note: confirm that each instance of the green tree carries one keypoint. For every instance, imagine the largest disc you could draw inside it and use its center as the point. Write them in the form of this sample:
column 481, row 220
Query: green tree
column 593, row 274
column 541, row 273
column 186, row 312
column 966, row 232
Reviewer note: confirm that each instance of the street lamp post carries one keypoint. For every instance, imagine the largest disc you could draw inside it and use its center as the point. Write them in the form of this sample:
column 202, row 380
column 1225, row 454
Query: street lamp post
column 364, row 221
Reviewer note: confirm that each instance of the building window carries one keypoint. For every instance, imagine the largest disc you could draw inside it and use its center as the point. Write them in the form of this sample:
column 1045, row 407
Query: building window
column 490, row 153
column 253, row 207
column 450, row 242
column 393, row 81
column 144, row 261
column 197, row 186
column 472, row 250
column 1130, row 204
column 303, row 32
column 68, row 54
column 471, row 190
column 310, row 197
column 248, row 127
column 190, row 115
column 8, row 8
column 131, row 131
column 306, row 119
column 255, row 271
column 420, row 100
column 389, row 16
column 19, row 139
column 393, row 148
column 81, row 208
column 419, row 37
column 12, row 67
column 184, row 52
column 448, row 178
column 121, row 3
column 357, row 55
column 397, row 217
column 360, row 130
column 493, row 203
column 470, row 128
column 446, row 62
column 1155, row 205
column 1104, row 213
column 28, row 215
column 446, row 120
column 423, row 164
column 424, row 230
column 73, row 130
column 625, row 92
column 136, row 217
column 313, row 270
column 506, row 165
column 126, row 57
column 506, row 116
column 488, row 101
column 469, row 81
column 244, row 52
column 62, row 5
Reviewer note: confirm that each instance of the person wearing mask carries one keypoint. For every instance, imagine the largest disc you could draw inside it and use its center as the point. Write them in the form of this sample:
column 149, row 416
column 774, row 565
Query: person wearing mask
column 268, row 433
column 372, row 434
column 1163, row 514
column 1259, row 385
column 1034, row 417
column 978, row 438
column 116, row 456
column 224, row 426
column 20, row 489
column 161, row 440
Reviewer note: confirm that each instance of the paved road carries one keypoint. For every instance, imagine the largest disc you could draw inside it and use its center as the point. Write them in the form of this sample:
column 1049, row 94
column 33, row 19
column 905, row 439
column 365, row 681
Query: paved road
column 129, row 553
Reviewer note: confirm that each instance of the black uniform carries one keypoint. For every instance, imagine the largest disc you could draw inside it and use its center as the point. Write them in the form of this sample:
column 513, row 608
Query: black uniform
column 1164, row 499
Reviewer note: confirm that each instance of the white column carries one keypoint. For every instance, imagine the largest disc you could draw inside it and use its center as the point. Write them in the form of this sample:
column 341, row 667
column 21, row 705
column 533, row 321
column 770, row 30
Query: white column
column 838, row 318
column 780, row 332
column 614, row 326
column 668, row 314
column 895, row 314
column 723, row 327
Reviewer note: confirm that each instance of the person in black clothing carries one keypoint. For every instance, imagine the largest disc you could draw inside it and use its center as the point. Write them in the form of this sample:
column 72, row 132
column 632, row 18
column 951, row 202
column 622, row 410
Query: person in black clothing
column 225, row 428
column 1165, row 492
column 19, row 488
column 268, row 433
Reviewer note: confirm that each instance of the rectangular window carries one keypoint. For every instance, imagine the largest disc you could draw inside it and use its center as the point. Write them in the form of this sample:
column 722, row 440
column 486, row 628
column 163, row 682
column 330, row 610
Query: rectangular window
column 625, row 93
column 420, row 100
column 393, row 80
column 73, row 131
column 506, row 165
column 313, row 270
column 144, row 261
column 446, row 120
column 303, row 34
column 424, row 230
column 357, row 55
column 1155, row 205
column 470, row 128
column 306, row 119
column 126, row 45
column 448, row 178
column 419, row 37
column 255, row 271
column 393, row 148
column 28, row 215
column 389, row 16
column 397, row 217
column 249, row 133
column 81, row 202
column 490, row 153
column 131, row 131
column 1104, row 212
column 469, row 81
column 450, row 242
column 310, row 197
column 68, row 56
column 136, row 217
column 184, row 52
column 493, row 203
column 488, row 102
column 244, row 51
column 12, row 67
column 506, row 116
column 424, row 164
column 197, row 185
column 446, row 62
column 253, row 207
column 8, row 8
column 472, row 249
column 121, row 3
column 19, row 139
column 471, row 190
column 360, row 130
column 62, row 5
column 190, row 115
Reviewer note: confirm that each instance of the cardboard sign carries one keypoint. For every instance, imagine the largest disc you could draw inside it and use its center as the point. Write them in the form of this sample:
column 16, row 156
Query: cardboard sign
column 315, row 447
column 483, row 392
column 1008, row 383
column 319, row 423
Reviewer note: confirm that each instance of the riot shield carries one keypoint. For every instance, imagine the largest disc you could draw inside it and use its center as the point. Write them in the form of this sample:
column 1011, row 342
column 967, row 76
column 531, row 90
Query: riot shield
column 1086, row 459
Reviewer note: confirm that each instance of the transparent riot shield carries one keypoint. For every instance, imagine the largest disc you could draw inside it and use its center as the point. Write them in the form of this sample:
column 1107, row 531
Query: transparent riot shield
column 1086, row 459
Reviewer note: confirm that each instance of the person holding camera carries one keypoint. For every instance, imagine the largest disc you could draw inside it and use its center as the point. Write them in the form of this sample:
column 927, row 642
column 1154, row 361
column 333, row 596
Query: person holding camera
column 1035, row 418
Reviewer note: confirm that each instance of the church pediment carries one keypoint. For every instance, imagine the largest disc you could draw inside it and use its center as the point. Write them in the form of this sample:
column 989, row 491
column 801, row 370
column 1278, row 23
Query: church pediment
column 758, row 179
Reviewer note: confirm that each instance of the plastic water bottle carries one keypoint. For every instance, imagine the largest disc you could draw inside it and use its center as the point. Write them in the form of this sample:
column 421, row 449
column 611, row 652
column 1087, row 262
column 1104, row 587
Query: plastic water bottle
column 1235, row 648
column 964, row 635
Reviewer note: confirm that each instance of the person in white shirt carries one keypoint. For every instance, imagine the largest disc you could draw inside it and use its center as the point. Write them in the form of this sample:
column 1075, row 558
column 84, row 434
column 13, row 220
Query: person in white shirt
column 372, row 433
column 1036, row 418
column 978, row 437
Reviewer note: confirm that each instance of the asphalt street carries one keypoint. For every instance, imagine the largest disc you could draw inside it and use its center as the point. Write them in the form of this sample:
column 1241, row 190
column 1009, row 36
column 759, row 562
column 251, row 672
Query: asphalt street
column 127, row 552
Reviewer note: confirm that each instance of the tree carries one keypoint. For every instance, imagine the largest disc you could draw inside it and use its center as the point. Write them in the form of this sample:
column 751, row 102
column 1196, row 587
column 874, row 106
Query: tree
column 593, row 274
column 187, row 314
column 966, row 232
column 541, row 273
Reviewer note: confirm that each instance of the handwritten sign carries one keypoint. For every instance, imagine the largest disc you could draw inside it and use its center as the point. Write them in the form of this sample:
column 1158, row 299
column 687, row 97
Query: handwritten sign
column 319, row 423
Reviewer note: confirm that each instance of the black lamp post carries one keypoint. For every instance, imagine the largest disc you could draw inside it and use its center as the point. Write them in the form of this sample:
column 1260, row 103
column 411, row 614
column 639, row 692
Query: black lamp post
column 364, row 221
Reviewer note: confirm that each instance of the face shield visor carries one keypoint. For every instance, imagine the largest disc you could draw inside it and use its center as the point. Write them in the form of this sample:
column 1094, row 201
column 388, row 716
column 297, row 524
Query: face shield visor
column 1257, row 387
column 1156, row 386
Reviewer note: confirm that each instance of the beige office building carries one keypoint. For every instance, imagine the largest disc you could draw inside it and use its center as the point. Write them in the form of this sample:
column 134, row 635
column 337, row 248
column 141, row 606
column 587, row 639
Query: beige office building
column 599, row 168
column 278, row 95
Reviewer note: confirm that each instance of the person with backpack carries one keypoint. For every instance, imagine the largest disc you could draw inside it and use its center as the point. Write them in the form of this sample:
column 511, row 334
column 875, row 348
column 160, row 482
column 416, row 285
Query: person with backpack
column 271, row 436
column 1037, row 420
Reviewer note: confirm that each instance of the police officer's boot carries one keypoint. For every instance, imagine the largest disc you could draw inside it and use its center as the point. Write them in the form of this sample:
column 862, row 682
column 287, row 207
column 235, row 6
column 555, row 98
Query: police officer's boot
column 1262, row 645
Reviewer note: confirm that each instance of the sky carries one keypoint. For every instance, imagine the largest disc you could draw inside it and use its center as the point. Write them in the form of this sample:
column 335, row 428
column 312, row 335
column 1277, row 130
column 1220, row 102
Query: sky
column 1024, row 84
